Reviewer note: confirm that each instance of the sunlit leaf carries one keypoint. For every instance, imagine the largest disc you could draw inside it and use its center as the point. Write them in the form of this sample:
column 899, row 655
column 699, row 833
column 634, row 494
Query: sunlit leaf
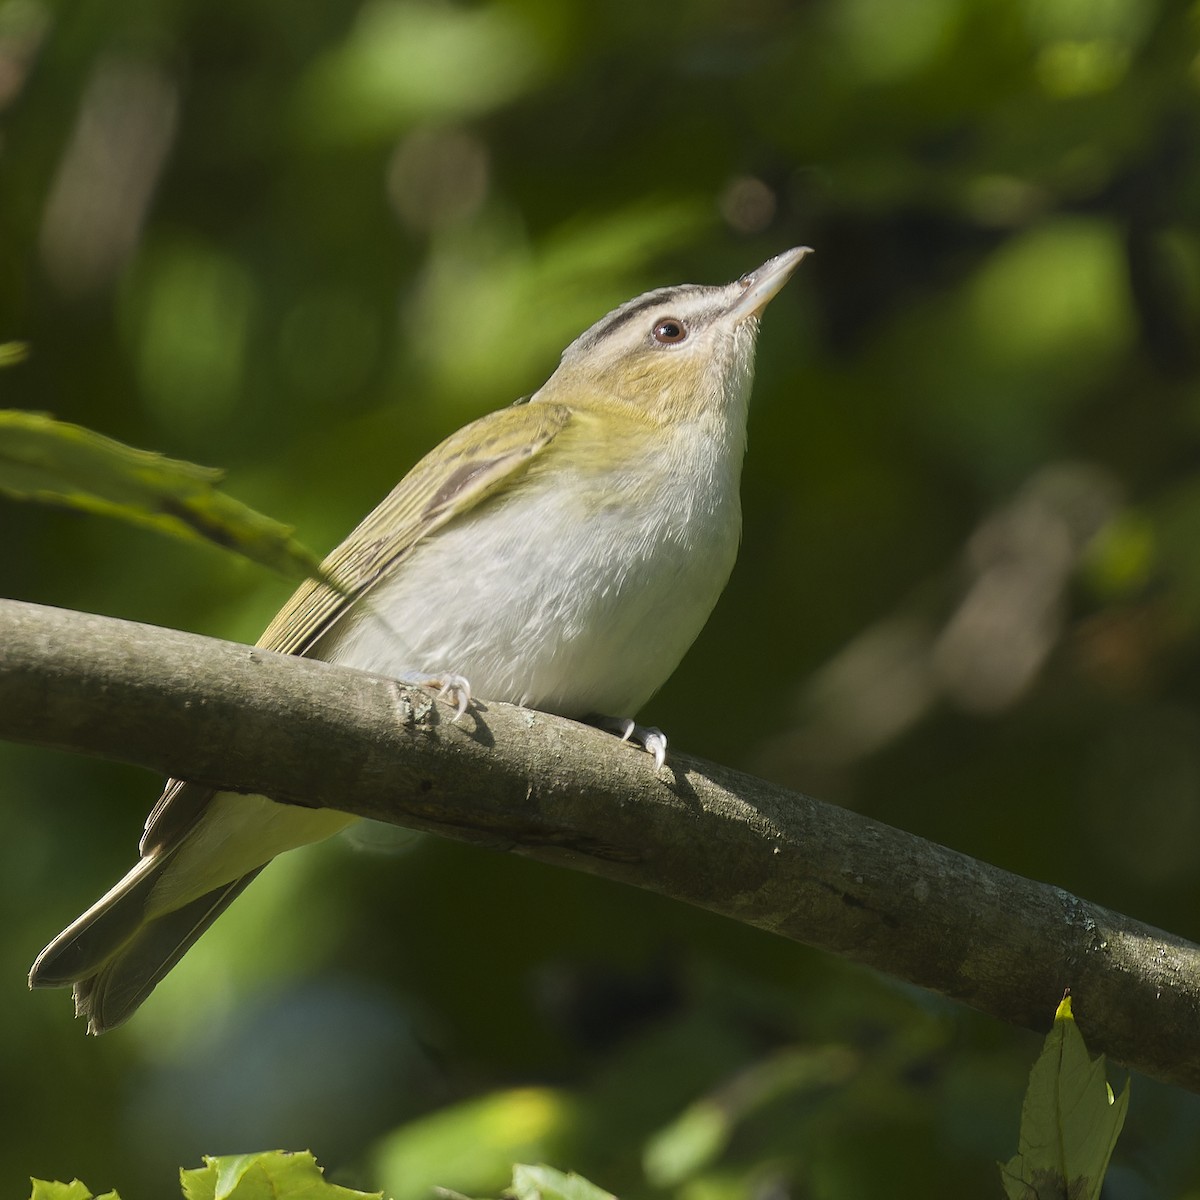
column 545, row 1183
column 54, row 462
column 271, row 1175
column 46, row 1189
column 1070, row 1121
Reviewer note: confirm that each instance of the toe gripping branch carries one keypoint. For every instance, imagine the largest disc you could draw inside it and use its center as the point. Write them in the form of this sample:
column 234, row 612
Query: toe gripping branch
column 652, row 740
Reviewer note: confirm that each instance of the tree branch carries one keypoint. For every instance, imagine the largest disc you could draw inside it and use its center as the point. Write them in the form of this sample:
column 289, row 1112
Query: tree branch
column 252, row 721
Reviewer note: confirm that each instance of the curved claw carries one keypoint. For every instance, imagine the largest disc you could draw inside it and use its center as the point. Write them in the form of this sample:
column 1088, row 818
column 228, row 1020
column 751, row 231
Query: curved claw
column 455, row 688
column 623, row 727
column 652, row 740
column 655, row 742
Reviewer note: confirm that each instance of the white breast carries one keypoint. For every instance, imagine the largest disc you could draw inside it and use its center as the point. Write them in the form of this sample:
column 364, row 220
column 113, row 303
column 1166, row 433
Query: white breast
column 574, row 607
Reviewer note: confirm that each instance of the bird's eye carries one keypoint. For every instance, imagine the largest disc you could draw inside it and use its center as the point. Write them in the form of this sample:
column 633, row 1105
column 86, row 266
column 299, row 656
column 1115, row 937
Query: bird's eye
column 669, row 330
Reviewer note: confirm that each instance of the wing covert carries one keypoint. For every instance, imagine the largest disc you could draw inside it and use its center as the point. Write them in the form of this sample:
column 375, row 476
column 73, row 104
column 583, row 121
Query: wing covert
column 466, row 468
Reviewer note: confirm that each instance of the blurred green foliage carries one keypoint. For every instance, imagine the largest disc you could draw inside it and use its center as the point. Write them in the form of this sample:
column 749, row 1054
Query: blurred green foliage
column 302, row 241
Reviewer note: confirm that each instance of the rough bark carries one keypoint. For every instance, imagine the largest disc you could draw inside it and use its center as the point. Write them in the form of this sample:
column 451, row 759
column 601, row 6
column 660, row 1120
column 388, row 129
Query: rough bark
column 252, row 721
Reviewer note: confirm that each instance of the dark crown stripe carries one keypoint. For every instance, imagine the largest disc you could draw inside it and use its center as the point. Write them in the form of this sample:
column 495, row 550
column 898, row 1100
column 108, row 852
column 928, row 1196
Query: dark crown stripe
column 634, row 308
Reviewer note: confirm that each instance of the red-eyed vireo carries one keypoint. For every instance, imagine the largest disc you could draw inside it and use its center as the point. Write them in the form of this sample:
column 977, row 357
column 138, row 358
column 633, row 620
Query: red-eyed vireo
column 560, row 554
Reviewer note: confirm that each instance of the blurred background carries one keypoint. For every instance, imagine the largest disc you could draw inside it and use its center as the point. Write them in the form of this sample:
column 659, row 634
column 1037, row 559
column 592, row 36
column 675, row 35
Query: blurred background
column 304, row 241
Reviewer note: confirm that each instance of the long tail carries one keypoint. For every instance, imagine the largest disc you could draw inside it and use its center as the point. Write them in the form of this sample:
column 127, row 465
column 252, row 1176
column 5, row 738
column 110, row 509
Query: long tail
column 200, row 850
column 114, row 956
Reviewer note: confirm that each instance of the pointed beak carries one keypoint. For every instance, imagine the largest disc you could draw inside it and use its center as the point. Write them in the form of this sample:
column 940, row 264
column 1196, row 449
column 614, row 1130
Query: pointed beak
column 761, row 286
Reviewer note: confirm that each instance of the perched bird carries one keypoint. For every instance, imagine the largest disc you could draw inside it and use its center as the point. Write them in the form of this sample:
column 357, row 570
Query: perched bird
column 561, row 554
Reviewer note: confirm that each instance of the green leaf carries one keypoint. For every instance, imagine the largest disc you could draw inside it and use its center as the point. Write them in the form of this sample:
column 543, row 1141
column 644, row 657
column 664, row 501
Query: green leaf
column 270, row 1175
column 54, row 462
column 46, row 1189
column 545, row 1183
column 1070, row 1121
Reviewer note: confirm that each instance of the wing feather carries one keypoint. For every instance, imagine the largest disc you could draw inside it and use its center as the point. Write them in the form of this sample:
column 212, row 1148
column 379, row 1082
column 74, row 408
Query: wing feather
column 466, row 468
column 462, row 471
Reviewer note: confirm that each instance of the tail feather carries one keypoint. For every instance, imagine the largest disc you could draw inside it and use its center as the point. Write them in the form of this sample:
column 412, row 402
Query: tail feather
column 114, row 992
column 113, row 955
column 91, row 939
column 198, row 860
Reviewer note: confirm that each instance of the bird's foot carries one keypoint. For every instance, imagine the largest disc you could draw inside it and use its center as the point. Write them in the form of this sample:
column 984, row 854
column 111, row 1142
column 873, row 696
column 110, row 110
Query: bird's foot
column 652, row 740
column 454, row 688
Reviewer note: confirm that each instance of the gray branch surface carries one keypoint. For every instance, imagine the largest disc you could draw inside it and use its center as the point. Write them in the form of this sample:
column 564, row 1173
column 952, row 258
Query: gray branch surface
column 252, row 721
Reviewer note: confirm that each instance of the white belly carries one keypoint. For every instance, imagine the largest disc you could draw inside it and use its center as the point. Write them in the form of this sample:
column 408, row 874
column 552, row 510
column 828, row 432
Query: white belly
column 573, row 608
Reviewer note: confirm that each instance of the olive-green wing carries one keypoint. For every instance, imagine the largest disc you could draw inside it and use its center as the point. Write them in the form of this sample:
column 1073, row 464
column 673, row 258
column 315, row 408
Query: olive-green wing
column 466, row 468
